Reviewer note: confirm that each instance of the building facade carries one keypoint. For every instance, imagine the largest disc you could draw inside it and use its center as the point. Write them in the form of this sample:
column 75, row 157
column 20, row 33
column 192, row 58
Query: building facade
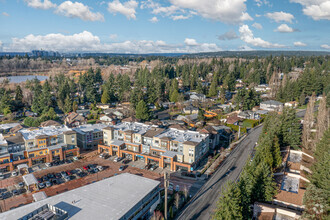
column 38, row 145
column 173, row 148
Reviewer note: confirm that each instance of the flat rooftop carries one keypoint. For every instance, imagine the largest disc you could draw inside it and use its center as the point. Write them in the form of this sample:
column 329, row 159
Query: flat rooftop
column 49, row 131
column 8, row 126
column 110, row 198
column 82, row 129
column 183, row 136
column 137, row 127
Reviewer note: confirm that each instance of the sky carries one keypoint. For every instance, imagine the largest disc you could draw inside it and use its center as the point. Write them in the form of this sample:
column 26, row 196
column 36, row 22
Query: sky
column 164, row 26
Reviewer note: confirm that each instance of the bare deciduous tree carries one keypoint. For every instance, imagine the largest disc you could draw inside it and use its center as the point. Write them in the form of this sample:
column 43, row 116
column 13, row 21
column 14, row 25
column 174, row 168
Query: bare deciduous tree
column 177, row 200
column 308, row 124
column 322, row 119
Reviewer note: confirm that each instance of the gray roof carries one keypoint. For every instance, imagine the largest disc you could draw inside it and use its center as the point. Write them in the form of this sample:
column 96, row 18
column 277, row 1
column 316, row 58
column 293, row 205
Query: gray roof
column 271, row 102
column 110, row 198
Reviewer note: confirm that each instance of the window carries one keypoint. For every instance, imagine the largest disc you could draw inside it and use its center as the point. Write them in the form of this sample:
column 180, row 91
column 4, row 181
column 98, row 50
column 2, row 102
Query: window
column 40, row 152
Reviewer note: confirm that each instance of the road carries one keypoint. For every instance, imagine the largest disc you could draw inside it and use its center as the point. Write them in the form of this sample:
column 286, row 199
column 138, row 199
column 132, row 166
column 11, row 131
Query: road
column 301, row 113
column 204, row 202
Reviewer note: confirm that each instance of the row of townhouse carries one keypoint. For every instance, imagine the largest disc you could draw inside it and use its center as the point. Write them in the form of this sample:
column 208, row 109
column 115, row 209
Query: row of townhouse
column 292, row 182
column 37, row 145
column 172, row 147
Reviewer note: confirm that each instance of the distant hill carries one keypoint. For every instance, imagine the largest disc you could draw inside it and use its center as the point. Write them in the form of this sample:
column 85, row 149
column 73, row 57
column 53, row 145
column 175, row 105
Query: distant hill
column 259, row 53
column 246, row 54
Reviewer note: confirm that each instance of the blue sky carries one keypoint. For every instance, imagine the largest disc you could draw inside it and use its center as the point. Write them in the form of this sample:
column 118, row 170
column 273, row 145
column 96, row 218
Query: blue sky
column 163, row 26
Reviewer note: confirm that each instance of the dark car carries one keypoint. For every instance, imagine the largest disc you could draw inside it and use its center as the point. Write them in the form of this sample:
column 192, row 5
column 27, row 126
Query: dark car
column 126, row 161
column 69, row 172
column 39, row 180
column 44, row 178
column 15, row 192
column 121, row 168
column 85, row 167
column 50, row 175
column 147, row 167
column 58, row 175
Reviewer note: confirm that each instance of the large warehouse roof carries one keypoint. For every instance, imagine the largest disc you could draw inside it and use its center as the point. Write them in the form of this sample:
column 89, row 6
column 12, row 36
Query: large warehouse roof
column 110, row 198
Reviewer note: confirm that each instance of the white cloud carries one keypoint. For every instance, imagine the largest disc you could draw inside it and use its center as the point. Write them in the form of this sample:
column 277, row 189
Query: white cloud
column 165, row 10
column 299, row 44
column 227, row 11
column 247, row 37
column 153, row 19
column 257, row 15
column 5, row 14
column 0, row 43
column 78, row 10
column 39, row 4
column 127, row 9
column 180, row 17
column 113, row 36
column 325, row 46
column 87, row 42
column 280, row 16
column 190, row 42
column 229, row 35
column 284, row 28
column 317, row 9
column 257, row 25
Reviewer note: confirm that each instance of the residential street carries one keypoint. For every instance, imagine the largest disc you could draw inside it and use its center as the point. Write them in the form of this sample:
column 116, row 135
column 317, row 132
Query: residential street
column 204, row 202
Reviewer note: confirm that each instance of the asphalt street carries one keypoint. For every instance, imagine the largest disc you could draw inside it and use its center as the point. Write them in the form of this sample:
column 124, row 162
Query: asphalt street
column 204, row 202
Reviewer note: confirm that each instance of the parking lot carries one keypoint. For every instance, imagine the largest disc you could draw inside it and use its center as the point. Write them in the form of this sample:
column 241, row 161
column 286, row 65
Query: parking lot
column 80, row 174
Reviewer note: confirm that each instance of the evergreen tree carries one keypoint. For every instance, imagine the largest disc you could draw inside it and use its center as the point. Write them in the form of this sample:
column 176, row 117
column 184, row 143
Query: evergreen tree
column 67, row 104
column 229, row 205
column 213, row 88
column 18, row 94
column 105, row 96
column 142, row 111
column 290, row 129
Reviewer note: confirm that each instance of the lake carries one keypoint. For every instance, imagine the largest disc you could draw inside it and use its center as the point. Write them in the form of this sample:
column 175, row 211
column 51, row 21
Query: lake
column 19, row 79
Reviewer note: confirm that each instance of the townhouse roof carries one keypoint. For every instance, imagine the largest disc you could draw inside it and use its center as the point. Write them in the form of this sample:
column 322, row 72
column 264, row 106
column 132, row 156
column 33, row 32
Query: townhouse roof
column 111, row 198
column 232, row 119
column 29, row 134
column 152, row 132
column 271, row 102
column 117, row 142
column 15, row 139
column 49, row 123
column 8, row 126
column 82, row 129
column 136, row 127
column 16, row 129
column 183, row 136
column 73, row 116
column 130, row 119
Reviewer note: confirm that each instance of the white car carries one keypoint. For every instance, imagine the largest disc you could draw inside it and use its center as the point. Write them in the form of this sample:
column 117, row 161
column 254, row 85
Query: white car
column 100, row 168
column 101, row 155
column 14, row 173
column 2, row 176
column 48, row 164
column 117, row 159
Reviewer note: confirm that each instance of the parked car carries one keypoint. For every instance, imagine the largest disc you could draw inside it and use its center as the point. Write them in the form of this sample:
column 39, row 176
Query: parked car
column 75, row 158
column 39, row 180
column 95, row 170
column 15, row 192
column 21, row 184
column 44, row 178
column 48, row 164
column 58, row 175
column 41, row 185
column 126, row 161
column 102, row 155
column 63, row 174
column 69, row 172
column 177, row 188
column 2, row 176
column 48, row 184
column 14, row 173
column 153, row 167
column 121, row 168
column 170, row 186
column 100, row 168
column 67, row 178
column 50, row 175
column 55, row 181
column 85, row 167
column 117, row 159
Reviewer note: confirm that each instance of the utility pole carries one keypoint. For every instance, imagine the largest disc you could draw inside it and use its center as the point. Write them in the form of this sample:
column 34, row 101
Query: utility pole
column 166, row 183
